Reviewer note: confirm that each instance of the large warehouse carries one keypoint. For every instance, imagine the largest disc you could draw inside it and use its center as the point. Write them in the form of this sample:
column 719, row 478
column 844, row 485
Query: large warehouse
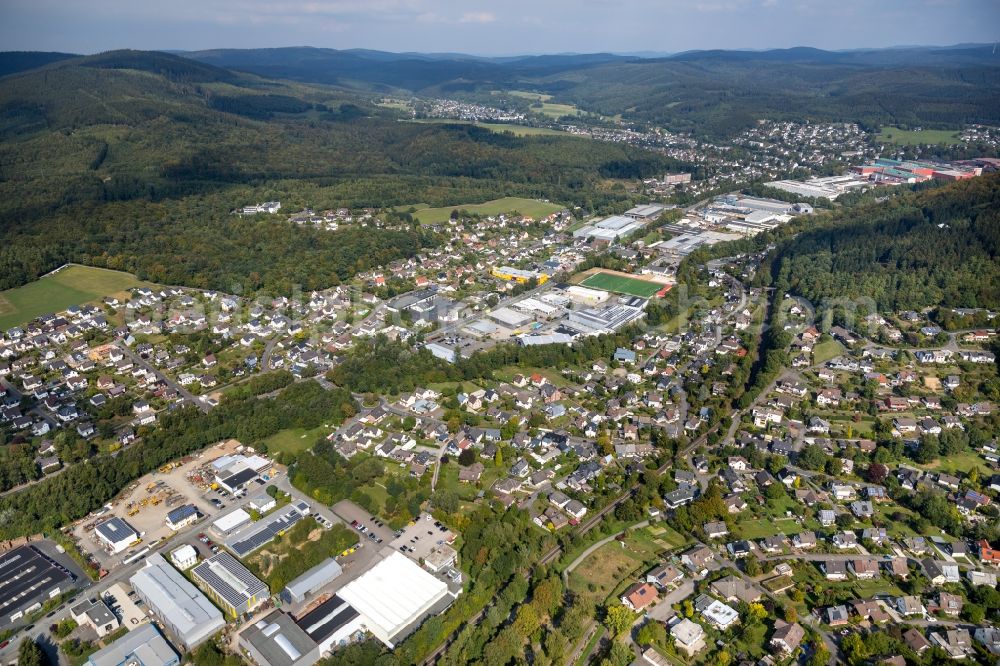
column 176, row 602
column 144, row 645
column 27, row 580
column 303, row 587
column 395, row 596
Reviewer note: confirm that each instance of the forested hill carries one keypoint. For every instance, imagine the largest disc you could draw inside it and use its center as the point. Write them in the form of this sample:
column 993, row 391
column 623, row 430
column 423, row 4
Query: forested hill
column 133, row 160
column 710, row 93
column 938, row 247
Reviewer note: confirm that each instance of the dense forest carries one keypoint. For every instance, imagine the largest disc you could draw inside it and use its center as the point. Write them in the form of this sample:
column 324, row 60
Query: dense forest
column 133, row 160
column 940, row 247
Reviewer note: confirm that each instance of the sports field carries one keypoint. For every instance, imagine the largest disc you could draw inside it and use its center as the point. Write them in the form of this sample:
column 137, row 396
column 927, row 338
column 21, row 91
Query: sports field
column 529, row 207
column 622, row 285
column 72, row 285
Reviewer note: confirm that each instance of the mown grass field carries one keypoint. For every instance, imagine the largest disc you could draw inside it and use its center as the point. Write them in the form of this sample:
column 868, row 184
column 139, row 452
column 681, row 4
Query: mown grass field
column 622, row 285
column 529, row 207
column 295, row 440
column 73, row 285
column 902, row 137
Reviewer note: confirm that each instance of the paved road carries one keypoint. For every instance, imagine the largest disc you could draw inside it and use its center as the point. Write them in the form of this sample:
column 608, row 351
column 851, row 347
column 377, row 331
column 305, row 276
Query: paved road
column 183, row 392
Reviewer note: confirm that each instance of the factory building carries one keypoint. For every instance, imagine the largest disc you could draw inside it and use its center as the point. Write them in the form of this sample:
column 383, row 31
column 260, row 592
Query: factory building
column 144, row 646
column 306, row 585
column 116, row 534
column 178, row 604
column 395, row 596
column 276, row 640
column 230, row 584
column 511, row 274
column 594, row 321
column 334, row 623
column 28, row 579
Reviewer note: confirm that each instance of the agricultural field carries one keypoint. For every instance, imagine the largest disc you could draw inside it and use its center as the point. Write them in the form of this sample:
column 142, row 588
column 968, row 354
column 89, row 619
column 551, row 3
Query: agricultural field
column 621, row 284
column 529, row 207
column 72, row 285
column 516, row 130
column 555, row 111
column 902, row 137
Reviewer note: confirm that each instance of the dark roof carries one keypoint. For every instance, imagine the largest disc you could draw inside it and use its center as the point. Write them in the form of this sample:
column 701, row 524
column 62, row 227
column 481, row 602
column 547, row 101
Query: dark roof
column 27, row 576
column 324, row 620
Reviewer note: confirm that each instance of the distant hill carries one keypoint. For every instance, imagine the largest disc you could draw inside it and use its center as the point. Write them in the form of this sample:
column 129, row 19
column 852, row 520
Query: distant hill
column 133, row 160
column 12, row 62
column 715, row 93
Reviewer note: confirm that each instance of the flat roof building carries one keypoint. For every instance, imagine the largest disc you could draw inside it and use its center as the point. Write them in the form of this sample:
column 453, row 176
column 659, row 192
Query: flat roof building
column 603, row 320
column 333, row 623
column 144, row 646
column 509, row 318
column 185, row 611
column 95, row 613
column 311, row 581
column 116, row 534
column 230, row 584
column 28, row 579
column 395, row 596
column 276, row 640
column 231, row 521
column 263, row 531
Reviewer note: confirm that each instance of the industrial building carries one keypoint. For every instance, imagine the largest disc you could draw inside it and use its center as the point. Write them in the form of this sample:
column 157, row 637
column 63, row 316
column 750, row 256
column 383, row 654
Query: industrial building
column 395, row 596
column 829, row 187
column 231, row 522
column 518, row 275
column 27, row 580
column 594, row 321
column 144, row 646
column 544, row 339
column 306, row 585
column 586, row 295
column 333, row 623
column 178, row 604
column 647, row 212
column 509, row 318
column 116, row 534
column 263, row 531
column 233, row 473
column 276, row 640
column 612, row 228
column 230, row 584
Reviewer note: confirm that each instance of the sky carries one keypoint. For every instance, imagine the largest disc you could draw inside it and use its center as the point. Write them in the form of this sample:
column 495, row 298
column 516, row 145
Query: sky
column 495, row 27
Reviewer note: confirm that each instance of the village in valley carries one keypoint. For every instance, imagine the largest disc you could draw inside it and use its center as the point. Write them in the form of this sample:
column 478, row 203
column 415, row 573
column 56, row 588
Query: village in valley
column 830, row 515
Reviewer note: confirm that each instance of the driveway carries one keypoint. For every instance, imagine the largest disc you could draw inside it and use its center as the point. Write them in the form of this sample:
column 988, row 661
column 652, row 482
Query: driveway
column 663, row 610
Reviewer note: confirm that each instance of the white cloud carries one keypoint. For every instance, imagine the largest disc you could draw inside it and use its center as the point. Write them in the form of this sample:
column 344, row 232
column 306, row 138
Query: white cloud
column 478, row 17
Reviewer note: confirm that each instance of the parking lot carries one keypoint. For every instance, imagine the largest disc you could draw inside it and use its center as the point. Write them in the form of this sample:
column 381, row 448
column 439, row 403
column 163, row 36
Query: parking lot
column 420, row 538
column 349, row 512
